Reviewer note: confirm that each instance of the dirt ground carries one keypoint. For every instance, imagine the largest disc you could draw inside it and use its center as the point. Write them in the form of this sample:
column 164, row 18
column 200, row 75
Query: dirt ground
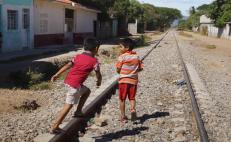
column 14, row 98
column 221, row 54
column 9, row 98
column 223, row 45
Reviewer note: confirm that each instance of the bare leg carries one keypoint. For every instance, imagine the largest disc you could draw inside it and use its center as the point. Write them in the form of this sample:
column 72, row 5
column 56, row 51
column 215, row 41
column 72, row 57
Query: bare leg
column 133, row 104
column 82, row 100
column 63, row 113
column 133, row 110
column 122, row 108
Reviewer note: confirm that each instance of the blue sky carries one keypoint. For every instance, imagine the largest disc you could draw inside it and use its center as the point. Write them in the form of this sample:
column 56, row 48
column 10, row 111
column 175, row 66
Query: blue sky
column 182, row 5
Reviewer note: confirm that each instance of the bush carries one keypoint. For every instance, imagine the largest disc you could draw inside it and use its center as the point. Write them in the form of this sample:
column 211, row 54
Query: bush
column 143, row 40
column 19, row 79
column 25, row 79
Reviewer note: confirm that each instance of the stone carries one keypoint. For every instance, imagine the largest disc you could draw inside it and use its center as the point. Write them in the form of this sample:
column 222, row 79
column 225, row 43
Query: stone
column 100, row 121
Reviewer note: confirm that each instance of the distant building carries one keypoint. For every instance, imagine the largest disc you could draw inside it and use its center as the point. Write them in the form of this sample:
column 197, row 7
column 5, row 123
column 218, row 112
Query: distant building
column 16, row 25
column 63, row 22
column 25, row 24
column 207, row 27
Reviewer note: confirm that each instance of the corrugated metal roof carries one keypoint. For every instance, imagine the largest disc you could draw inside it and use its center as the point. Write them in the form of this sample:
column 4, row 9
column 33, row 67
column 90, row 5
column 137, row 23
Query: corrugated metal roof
column 79, row 5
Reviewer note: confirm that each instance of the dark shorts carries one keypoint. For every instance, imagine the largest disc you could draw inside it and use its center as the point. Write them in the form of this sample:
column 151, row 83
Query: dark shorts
column 127, row 90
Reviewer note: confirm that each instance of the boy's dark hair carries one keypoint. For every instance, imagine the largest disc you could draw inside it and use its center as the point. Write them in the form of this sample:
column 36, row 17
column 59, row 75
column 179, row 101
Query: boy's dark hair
column 90, row 44
column 128, row 43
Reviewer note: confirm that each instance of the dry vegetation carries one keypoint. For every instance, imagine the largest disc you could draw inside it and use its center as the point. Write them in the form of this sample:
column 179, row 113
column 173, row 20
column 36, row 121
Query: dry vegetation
column 185, row 34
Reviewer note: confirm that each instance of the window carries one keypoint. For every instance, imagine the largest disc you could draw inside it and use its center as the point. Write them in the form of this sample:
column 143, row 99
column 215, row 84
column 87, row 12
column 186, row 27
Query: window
column 26, row 18
column 43, row 23
column 12, row 19
column 43, row 26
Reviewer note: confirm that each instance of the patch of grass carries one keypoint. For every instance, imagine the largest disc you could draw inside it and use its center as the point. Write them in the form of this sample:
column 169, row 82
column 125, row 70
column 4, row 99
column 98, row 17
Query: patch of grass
column 185, row 34
column 211, row 46
column 147, row 38
column 41, row 86
column 142, row 41
column 29, row 80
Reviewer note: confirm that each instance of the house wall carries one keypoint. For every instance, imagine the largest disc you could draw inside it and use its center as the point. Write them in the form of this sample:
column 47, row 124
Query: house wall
column 54, row 14
column 49, row 23
column 217, row 32
column 84, row 21
column 205, row 19
column 13, row 40
column 132, row 28
column 214, row 31
column 84, row 26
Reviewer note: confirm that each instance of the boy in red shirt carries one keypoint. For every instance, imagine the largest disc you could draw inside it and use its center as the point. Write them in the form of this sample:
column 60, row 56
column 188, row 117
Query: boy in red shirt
column 128, row 66
column 81, row 66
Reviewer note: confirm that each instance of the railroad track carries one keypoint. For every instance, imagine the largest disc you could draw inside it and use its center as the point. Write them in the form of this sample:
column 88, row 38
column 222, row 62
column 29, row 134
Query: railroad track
column 79, row 124
column 196, row 111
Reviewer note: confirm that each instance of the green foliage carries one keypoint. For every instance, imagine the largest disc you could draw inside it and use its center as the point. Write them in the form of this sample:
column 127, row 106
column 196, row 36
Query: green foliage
column 129, row 10
column 25, row 79
column 103, row 5
column 182, row 24
column 194, row 18
column 167, row 16
column 220, row 12
column 159, row 17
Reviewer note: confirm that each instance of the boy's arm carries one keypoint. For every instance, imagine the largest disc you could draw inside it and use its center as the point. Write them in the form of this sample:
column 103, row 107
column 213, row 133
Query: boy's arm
column 99, row 78
column 118, row 70
column 141, row 66
column 119, row 64
column 98, row 74
column 63, row 69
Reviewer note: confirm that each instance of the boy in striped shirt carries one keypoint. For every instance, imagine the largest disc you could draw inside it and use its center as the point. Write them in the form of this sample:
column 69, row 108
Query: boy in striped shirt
column 128, row 66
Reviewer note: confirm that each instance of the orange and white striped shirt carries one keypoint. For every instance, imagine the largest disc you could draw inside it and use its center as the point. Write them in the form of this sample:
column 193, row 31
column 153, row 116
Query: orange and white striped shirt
column 129, row 65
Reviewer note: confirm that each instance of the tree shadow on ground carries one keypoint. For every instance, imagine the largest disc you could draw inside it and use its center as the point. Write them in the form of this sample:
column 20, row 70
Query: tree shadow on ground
column 145, row 117
column 119, row 134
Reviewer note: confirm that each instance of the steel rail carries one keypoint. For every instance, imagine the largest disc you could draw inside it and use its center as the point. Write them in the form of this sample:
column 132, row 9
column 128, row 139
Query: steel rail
column 199, row 120
column 79, row 124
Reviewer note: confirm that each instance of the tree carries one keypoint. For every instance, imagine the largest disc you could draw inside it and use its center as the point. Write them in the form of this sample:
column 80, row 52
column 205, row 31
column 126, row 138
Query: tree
column 220, row 12
column 194, row 18
column 167, row 16
column 192, row 10
column 129, row 10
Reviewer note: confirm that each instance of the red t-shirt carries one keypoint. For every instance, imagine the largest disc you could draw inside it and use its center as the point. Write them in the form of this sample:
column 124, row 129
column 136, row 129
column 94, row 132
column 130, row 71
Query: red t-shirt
column 83, row 64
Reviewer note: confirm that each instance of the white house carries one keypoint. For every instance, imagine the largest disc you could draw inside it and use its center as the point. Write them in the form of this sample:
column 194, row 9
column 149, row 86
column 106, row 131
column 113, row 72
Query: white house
column 62, row 22
column 206, row 24
column 16, row 25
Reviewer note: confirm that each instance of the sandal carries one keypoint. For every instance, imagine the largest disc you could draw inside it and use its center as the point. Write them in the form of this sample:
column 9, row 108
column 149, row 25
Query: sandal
column 55, row 131
column 124, row 119
column 133, row 115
